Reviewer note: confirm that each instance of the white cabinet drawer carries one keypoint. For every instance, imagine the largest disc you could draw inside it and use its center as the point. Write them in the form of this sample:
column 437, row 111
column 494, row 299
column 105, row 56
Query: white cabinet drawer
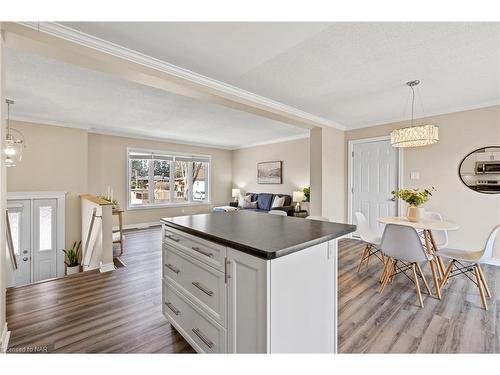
column 205, row 335
column 208, row 252
column 201, row 283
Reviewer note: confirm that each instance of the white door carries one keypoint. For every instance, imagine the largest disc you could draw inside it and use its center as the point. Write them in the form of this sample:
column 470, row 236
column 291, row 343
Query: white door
column 374, row 177
column 20, row 227
column 45, row 239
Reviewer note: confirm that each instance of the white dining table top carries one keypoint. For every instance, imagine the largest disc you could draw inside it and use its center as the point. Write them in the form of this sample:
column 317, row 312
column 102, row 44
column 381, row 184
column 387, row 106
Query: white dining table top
column 425, row 224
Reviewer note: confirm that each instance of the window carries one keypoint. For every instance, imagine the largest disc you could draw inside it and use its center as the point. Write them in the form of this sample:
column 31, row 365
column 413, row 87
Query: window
column 162, row 179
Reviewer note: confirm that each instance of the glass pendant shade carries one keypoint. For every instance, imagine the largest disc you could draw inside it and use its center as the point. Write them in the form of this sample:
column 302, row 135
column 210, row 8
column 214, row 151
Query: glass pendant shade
column 415, row 136
column 13, row 143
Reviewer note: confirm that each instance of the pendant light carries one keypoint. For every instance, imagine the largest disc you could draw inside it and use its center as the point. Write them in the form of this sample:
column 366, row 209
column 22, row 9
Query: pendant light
column 414, row 136
column 13, row 143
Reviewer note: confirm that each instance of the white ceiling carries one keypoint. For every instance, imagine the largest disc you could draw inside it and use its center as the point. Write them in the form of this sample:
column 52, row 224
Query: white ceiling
column 350, row 73
column 58, row 93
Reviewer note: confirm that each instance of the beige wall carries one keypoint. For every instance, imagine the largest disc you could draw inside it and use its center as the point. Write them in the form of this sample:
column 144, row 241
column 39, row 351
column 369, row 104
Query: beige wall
column 333, row 175
column 295, row 157
column 107, row 158
column 55, row 159
column 3, row 271
column 459, row 133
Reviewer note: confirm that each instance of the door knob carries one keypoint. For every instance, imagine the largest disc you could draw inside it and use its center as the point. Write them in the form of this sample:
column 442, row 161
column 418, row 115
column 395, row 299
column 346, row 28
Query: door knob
column 25, row 259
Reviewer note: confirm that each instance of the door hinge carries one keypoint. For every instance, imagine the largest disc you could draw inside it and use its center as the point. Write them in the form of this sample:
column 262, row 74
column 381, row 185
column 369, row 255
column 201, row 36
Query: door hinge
column 352, row 153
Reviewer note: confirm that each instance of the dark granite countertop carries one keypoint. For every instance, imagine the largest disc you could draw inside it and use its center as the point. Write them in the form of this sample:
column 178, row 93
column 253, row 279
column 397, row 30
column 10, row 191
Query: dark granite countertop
column 259, row 234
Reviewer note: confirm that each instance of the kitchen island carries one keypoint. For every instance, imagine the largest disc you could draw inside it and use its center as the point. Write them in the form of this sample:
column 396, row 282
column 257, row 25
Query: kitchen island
column 250, row 282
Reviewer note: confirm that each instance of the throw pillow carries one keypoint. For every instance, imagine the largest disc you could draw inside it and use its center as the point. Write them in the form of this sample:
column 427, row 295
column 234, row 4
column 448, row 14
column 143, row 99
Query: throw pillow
column 244, row 200
column 278, row 202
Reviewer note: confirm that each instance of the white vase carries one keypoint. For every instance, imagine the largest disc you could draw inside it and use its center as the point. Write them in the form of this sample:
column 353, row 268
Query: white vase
column 415, row 214
column 72, row 270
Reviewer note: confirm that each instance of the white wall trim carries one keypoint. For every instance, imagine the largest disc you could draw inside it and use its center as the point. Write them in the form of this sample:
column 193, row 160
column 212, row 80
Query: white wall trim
column 278, row 140
column 428, row 114
column 121, row 52
column 107, row 267
column 4, row 339
column 350, row 181
column 36, row 194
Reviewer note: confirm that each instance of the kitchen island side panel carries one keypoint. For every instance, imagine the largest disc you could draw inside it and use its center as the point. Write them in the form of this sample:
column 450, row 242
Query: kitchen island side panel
column 303, row 301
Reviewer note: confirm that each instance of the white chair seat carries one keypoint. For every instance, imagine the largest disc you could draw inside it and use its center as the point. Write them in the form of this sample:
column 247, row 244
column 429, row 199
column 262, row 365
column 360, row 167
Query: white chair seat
column 466, row 256
column 376, row 241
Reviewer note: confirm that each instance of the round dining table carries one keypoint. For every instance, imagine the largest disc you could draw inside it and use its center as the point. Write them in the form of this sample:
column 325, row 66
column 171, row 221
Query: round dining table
column 426, row 226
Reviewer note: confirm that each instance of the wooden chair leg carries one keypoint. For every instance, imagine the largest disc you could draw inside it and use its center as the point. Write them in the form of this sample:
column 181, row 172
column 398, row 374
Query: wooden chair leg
column 384, row 271
column 387, row 275
column 483, row 279
column 480, row 286
column 417, row 285
column 447, row 273
column 435, row 279
column 369, row 255
column 363, row 257
column 419, row 269
column 394, row 270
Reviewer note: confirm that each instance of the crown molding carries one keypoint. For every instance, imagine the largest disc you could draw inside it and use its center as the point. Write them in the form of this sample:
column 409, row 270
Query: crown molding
column 428, row 114
column 278, row 140
column 116, row 50
column 114, row 133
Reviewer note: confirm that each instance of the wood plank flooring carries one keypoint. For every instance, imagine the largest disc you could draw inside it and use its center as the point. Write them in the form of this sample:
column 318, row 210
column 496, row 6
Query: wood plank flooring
column 117, row 312
column 392, row 322
column 120, row 312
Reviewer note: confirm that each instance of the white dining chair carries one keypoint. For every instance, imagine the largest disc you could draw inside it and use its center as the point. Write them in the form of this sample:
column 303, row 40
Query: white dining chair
column 278, row 213
column 318, row 218
column 440, row 236
column 404, row 252
column 371, row 239
column 474, row 259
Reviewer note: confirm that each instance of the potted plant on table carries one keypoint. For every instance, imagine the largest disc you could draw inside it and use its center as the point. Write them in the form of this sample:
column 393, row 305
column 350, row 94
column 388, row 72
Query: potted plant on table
column 415, row 198
column 72, row 258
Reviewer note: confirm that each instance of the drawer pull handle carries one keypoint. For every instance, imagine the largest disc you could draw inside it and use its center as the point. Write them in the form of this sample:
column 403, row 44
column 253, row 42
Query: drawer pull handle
column 172, row 237
column 172, row 268
column 202, row 337
column 172, row 307
column 208, row 292
column 206, row 253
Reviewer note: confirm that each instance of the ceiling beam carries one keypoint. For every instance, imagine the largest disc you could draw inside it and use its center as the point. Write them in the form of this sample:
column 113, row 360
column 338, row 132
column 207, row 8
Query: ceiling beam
column 62, row 43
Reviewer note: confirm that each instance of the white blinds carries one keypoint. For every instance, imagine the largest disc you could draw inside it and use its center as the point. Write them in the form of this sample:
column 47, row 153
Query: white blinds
column 168, row 157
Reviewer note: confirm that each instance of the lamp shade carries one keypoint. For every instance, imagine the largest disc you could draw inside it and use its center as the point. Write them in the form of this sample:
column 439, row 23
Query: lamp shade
column 415, row 136
column 235, row 193
column 298, row 196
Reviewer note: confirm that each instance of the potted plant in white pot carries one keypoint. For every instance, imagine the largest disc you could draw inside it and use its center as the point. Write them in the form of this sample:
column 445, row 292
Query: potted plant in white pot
column 72, row 258
column 415, row 200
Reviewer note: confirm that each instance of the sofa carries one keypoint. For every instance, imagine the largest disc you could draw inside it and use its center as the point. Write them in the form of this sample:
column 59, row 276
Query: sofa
column 265, row 201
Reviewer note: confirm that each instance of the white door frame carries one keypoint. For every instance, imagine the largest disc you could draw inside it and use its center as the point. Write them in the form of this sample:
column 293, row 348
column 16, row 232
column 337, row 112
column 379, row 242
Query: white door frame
column 350, row 174
column 60, row 223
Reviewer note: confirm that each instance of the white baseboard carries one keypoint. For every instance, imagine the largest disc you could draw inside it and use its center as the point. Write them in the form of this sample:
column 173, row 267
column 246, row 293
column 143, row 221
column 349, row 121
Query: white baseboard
column 139, row 225
column 494, row 262
column 4, row 339
column 107, row 267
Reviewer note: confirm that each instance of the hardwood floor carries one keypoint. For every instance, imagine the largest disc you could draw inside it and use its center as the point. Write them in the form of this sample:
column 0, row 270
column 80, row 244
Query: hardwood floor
column 393, row 322
column 117, row 312
column 120, row 312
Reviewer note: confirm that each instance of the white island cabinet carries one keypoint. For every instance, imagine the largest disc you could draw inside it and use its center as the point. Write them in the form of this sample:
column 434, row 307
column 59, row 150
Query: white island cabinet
column 227, row 300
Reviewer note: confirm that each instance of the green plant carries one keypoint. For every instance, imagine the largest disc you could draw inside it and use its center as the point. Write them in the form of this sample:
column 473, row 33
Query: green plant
column 72, row 255
column 113, row 202
column 307, row 193
column 414, row 197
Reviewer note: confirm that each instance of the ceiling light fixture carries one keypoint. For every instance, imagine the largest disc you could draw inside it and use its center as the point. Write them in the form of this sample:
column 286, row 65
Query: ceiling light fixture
column 13, row 143
column 414, row 136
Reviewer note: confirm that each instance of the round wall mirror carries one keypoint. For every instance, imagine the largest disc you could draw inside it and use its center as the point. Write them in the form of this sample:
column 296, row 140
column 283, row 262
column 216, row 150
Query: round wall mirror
column 480, row 170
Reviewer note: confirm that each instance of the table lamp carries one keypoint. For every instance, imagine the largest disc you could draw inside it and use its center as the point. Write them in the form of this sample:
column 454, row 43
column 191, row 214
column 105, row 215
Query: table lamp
column 298, row 196
column 235, row 193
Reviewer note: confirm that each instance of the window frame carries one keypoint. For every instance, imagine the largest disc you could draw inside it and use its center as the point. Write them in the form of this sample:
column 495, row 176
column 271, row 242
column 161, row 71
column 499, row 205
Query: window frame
column 171, row 203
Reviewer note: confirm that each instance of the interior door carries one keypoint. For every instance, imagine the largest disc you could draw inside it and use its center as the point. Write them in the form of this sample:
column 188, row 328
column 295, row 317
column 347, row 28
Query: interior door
column 375, row 176
column 20, row 227
column 45, row 240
